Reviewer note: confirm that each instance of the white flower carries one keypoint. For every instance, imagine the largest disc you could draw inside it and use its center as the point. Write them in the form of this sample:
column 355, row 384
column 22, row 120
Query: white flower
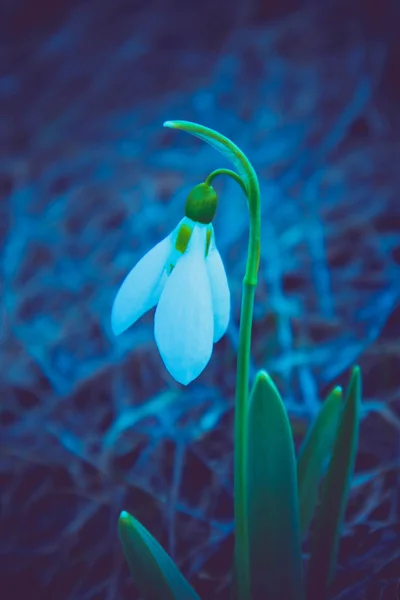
column 184, row 276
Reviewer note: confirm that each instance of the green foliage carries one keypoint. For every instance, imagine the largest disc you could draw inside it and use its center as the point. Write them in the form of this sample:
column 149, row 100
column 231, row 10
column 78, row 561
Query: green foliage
column 314, row 453
column 329, row 518
column 280, row 502
column 154, row 572
column 273, row 512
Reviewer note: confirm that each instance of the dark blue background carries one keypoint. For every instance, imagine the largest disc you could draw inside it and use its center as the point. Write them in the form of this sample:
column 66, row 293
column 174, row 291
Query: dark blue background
column 89, row 181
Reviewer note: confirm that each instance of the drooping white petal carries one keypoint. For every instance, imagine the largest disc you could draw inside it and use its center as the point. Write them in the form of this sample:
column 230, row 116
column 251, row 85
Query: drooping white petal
column 142, row 287
column 220, row 295
column 184, row 325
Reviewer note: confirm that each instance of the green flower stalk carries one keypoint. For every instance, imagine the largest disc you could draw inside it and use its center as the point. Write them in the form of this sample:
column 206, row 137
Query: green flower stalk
column 248, row 181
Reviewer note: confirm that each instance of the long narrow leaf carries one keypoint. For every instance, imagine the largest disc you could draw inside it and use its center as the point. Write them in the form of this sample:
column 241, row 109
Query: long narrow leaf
column 314, row 453
column 154, row 572
column 330, row 513
column 273, row 513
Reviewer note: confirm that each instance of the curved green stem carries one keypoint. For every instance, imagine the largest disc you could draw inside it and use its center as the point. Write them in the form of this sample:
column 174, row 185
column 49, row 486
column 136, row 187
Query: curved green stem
column 228, row 172
column 247, row 179
column 242, row 382
column 242, row 392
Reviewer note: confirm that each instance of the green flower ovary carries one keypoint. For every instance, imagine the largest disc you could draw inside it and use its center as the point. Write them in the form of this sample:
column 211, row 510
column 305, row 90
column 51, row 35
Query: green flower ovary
column 201, row 204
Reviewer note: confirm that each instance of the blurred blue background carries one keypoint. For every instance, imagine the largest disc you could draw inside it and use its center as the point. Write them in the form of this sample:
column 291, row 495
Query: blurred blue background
column 89, row 181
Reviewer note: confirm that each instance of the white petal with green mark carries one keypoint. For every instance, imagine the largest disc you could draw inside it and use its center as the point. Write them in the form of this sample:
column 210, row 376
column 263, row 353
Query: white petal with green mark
column 184, row 325
column 221, row 300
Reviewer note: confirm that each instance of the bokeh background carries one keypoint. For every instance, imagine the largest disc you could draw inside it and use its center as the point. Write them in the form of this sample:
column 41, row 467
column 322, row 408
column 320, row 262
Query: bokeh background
column 89, row 181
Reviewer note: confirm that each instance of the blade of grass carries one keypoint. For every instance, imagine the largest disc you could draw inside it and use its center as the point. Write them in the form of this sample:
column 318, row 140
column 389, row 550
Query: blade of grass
column 330, row 513
column 313, row 454
column 155, row 574
column 273, row 514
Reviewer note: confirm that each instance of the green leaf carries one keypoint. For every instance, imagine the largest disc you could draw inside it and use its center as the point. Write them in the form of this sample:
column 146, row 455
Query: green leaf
column 330, row 513
column 314, row 453
column 154, row 572
column 273, row 512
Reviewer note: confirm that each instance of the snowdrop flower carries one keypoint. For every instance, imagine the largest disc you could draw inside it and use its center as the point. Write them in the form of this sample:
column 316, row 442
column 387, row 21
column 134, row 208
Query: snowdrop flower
column 183, row 275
